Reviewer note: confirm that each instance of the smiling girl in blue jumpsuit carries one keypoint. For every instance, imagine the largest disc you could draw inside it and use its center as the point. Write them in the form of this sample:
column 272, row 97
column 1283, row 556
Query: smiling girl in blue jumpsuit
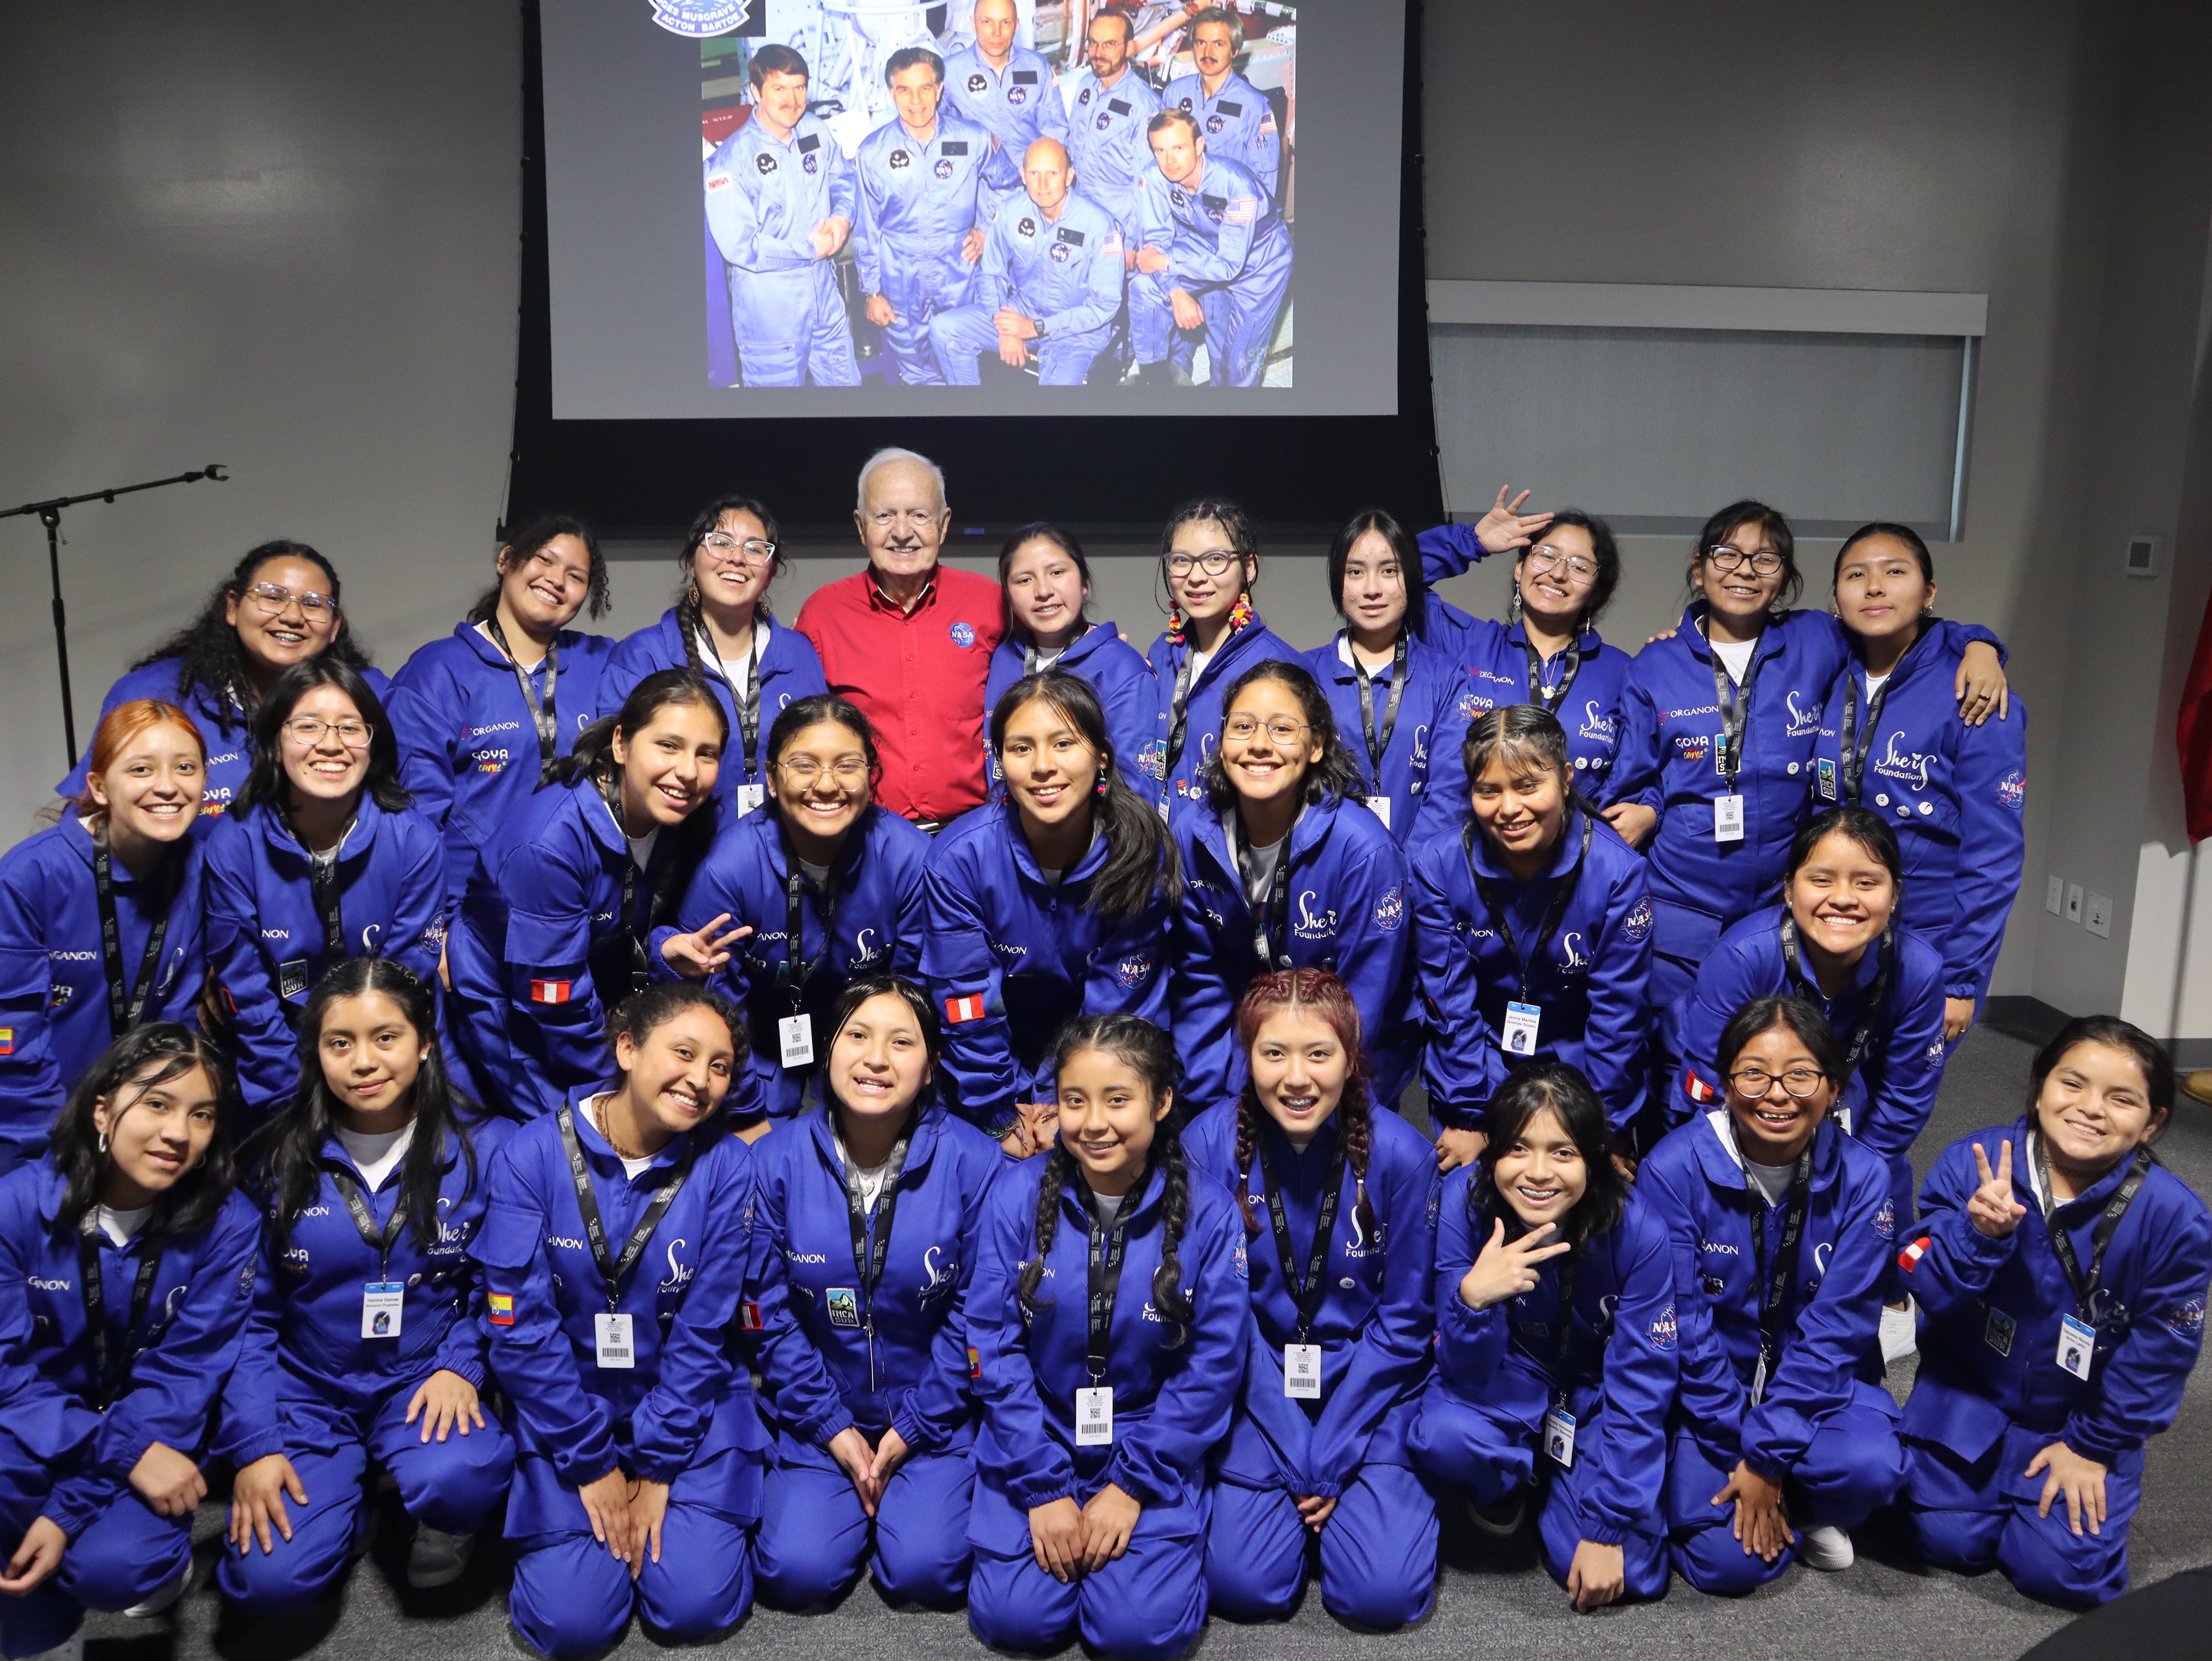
column 126, row 1268
column 1407, row 699
column 1052, row 903
column 1782, row 1228
column 571, row 899
column 868, row 1217
column 1534, row 935
column 1316, row 1453
column 486, row 709
column 367, row 1338
column 615, row 1249
column 1284, row 869
column 1047, row 583
column 1892, row 740
column 1555, row 1341
column 1109, row 1318
column 1210, row 556
column 2044, row 1372
column 125, row 846
column 825, row 854
column 325, row 859
column 721, row 628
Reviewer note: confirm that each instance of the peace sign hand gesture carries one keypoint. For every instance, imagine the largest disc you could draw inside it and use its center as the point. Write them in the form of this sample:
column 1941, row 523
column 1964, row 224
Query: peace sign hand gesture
column 698, row 954
column 1505, row 1271
column 1991, row 1208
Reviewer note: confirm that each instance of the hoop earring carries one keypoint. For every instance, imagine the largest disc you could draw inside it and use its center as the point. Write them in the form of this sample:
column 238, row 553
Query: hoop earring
column 103, row 1144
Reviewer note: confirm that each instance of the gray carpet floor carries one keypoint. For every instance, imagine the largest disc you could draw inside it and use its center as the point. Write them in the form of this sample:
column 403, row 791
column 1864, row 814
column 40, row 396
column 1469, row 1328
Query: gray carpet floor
column 1499, row 1604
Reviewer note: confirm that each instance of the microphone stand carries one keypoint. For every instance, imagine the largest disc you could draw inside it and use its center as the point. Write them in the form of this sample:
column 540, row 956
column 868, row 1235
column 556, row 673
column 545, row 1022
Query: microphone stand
column 50, row 515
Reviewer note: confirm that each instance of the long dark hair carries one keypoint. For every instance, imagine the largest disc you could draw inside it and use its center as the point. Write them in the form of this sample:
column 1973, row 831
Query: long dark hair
column 160, row 1051
column 1334, row 775
column 1526, row 729
column 2150, row 1056
column 1235, row 524
column 1140, row 858
column 919, row 1003
column 1862, row 826
column 1536, row 1087
column 284, row 1160
column 207, row 650
column 1603, row 548
column 1403, row 549
column 1776, row 528
column 1151, row 1054
column 1062, row 539
column 703, row 525
column 266, row 783
column 1324, row 996
column 524, row 546
column 641, row 1014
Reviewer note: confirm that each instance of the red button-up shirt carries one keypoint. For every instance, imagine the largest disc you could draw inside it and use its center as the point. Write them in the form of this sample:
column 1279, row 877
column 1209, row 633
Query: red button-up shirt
column 918, row 676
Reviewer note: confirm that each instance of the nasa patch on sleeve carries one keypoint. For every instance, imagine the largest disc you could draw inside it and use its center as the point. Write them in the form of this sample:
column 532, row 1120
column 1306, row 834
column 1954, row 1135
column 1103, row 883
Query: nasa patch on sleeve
column 1390, row 909
column 1638, row 924
column 1662, row 1330
column 2012, row 790
column 1884, row 1220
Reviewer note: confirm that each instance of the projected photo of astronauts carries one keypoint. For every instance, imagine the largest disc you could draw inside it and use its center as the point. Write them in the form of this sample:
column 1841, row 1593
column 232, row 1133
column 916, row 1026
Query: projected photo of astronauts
column 1005, row 192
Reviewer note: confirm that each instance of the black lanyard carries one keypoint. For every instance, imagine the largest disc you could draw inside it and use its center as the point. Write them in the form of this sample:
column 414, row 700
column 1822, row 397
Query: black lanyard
column 1734, row 709
column 1549, row 697
column 587, row 1204
column 89, row 1282
column 1106, row 1253
column 323, row 887
column 641, row 962
column 1858, row 744
column 1563, row 896
column 1376, row 751
column 1179, row 709
column 867, row 1260
column 794, row 971
column 1273, row 912
column 2085, row 1290
column 540, row 715
column 1877, row 995
column 124, row 1008
column 747, row 698
column 1307, row 1293
column 1775, row 1282
column 379, row 1240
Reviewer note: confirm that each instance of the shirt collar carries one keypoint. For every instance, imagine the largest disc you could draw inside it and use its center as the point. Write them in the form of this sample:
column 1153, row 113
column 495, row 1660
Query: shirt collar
column 877, row 597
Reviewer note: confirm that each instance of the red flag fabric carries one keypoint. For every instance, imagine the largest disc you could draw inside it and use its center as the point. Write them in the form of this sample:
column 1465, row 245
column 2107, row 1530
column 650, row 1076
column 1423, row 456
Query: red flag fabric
column 2193, row 734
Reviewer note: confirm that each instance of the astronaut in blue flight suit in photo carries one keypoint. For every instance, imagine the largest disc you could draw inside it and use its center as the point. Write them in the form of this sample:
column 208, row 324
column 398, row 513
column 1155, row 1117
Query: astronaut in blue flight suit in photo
column 1052, row 281
column 1107, row 109
column 1214, row 258
column 1005, row 87
column 779, row 204
column 923, row 210
column 1238, row 121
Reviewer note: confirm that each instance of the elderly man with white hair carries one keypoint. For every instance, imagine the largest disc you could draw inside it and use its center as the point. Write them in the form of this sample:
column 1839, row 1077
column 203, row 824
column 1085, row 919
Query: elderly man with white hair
column 910, row 640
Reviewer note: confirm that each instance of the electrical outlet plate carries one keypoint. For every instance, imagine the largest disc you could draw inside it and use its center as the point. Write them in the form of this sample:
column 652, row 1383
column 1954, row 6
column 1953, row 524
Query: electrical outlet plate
column 2100, row 916
column 2141, row 559
column 2073, row 902
column 2054, row 896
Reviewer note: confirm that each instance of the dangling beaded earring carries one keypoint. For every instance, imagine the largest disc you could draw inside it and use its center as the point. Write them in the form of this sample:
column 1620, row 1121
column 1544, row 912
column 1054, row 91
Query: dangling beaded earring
column 1241, row 614
column 691, row 594
column 1513, row 606
column 1103, row 765
column 1174, row 626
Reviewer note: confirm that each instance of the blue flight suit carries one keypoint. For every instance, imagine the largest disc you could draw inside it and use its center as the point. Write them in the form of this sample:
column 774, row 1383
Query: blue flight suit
column 877, row 908
column 684, row 1415
column 1226, row 247
column 1108, row 142
column 1018, row 105
column 917, row 203
column 265, row 943
column 1200, row 734
column 1064, row 275
column 471, row 739
column 1237, row 122
column 1128, row 691
column 1953, row 793
column 309, row 1386
column 896, row 1360
column 1348, row 900
column 62, row 1458
column 1010, row 959
column 53, row 983
column 1590, row 986
column 1423, row 772
column 1500, row 1371
column 1373, row 1323
column 539, row 952
column 1587, row 703
column 764, row 198
column 1825, row 1427
column 1174, row 1392
column 789, row 669
column 1991, row 1394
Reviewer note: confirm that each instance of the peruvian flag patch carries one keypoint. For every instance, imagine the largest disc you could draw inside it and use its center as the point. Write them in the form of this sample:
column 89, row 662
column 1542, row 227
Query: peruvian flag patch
column 969, row 1008
column 749, row 1317
column 1699, row 1090
column 1909, row 1259
column 551, row 991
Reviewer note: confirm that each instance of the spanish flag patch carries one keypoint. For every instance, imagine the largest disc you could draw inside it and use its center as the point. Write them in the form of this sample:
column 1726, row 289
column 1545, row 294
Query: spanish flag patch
column 502, row 1310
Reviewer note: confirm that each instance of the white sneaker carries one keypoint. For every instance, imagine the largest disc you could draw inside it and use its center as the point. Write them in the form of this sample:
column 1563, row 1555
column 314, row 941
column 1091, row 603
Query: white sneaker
column 1900, row 1333
column 161, row 1600
column 1824, row 1547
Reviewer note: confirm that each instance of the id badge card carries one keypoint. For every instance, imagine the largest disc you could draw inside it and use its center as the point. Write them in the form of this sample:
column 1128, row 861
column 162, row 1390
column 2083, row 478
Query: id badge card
column 611, row 1336
column 1094, row 1416
column 380, row 1302
column 1380, row 806
column 2077, row 1346
column 1728, row 819
column 1522, row 1020
column 751, row 796
column 1997, row 1331
column 1301, row 1372
column 292, row 978
column 1559, row 1436
column 1824, row 770
column 794, row 1037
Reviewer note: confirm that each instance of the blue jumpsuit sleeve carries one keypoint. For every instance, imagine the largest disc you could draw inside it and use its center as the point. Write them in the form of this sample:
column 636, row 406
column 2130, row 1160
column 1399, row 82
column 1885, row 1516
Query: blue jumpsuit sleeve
column 1726, row 979
column 52, row 1424
column 1710, row 1396
column 806, row 1397
column 249, row 1427
column 997, row 284
column 418, row 922
column 913, row 901
column 1445, row 798
column 1641, row 1368
column 1224, row 262
column 2139, row 1391
column 956, row 963
column 1202, row 1004
column 1636, row 767
column 1615, row 1053
column 696, row 1363
column 267, row 1049
column 1102, row 298
column 1190, row 1416
column 421, row 709
column 1127, row 974
column 1954, row 1271
column 30, row 1078
column 734, row 218
column 843, row 184
column 867, row 229
column 1462, row 1068
column 1371, row 962
column 1990, row 777
column 1470, row 1342
column 1903, row 1087
column 1449, row 549
column 1034, row 1465
column 548, row 923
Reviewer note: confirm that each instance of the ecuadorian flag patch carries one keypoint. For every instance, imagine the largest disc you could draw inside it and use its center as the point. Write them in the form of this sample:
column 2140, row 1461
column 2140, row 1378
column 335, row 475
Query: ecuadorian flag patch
column 502, row 1310
column 7, row 1040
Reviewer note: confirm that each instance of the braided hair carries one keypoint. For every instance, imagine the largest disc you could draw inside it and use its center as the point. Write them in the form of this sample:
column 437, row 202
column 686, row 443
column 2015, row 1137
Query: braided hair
column 1149, row 1053
column 1320, row 993
column 689, row 622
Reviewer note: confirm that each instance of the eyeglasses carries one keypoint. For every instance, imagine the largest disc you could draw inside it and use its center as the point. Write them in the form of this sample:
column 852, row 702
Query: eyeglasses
column 1753, row 1083
column 1544, row 558
column 754, row 551
column 273, row 597
column 850, row 771
column 1244, row 729
column 306, row 729
column 1214, row 562
column 1765, row 562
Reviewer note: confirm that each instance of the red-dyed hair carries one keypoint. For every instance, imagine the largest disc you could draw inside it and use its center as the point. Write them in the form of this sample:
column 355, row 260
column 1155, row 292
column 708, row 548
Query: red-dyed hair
column 118, row 726
column 1317, row 992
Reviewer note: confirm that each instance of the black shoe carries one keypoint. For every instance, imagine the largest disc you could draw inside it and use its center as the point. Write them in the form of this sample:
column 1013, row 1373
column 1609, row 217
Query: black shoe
column 1501, row 1520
